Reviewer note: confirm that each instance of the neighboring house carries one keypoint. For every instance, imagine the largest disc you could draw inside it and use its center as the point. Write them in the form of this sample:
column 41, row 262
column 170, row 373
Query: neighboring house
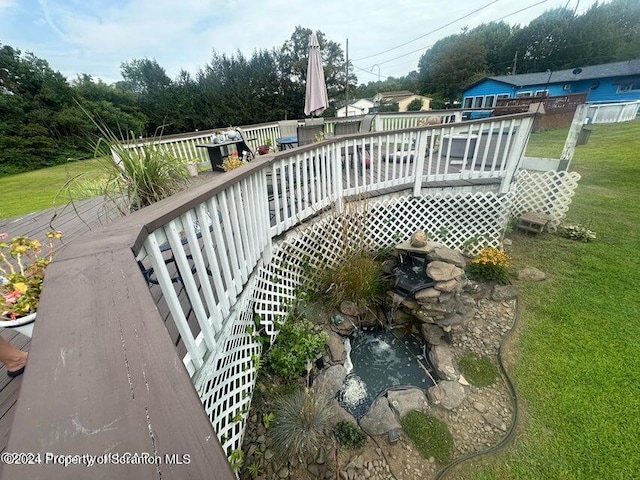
column 611, row 82
column 361, row 106
column 402, row 98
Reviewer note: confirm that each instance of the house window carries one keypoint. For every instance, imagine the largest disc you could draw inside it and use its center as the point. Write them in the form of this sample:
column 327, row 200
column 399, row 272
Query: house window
column 542, row 93
column 523, row 94
column 631, row 87
column 468, row 102
column 477, row 102
column 489, row 101
column 502, row 96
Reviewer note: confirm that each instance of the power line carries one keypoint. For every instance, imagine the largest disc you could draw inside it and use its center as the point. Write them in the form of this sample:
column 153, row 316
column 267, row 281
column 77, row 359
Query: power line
column 429, row 33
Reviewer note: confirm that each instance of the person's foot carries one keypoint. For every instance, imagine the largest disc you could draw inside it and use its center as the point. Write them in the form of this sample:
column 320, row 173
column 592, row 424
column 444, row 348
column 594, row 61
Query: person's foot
column 15, row 366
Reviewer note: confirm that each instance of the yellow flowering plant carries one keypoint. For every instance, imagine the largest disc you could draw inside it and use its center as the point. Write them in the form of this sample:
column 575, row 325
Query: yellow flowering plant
column 22, row 272
column 490, row 264
column 232, row 161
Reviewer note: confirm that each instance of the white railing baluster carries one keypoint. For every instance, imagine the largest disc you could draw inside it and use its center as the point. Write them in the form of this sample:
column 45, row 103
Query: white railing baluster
column 173, row 302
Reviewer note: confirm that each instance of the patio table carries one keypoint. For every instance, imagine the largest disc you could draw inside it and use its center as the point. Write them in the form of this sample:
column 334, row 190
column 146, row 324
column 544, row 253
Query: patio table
column 286, row 142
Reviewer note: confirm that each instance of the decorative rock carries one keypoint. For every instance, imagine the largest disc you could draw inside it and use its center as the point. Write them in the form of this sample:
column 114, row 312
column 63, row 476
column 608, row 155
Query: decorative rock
column 418, row 239
column 342, row 324
column 331, row 379
column 350, row 309
column 463, row 381
column 504, row 292
column 493, row 419
column 441, row 358
column 314, row 470
column 321, row 457
column 443, row 272
column 379, row 419
column 448, row 255
column 283, row 472
column 401, row 317
column 388, row 266
column 428, row 248
column 479, row 407
column 403, row 401
column 446, row 393
column 531, row 274
column 335, row 344
column 340, row 414
column 448, row 286
column 426, row 295
column 432, row 333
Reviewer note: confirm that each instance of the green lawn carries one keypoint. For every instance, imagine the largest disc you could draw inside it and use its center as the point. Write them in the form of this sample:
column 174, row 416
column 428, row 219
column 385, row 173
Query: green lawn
column 577, row 354
column 33, row 191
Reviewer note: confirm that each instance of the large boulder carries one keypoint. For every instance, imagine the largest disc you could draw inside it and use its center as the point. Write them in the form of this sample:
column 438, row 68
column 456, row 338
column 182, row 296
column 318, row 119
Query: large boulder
column 403, row 401
column 448, row 394
column 331, row 379
column 380, row 418
column 441, row 358
column 531, row 274
column 335, row 345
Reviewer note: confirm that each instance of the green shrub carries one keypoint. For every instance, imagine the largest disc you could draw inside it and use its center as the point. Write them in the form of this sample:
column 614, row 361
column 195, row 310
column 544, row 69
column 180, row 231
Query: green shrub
column 296, row 343
column 490, row 264
column 358, row 278
column 349, row 435
column 478, row 370
column 300, row 421
column 577, row 232
column 429, row 434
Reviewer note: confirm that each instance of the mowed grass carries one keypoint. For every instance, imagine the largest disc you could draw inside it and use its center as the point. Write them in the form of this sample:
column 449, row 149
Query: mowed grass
column 577, row 355
column 32, row 191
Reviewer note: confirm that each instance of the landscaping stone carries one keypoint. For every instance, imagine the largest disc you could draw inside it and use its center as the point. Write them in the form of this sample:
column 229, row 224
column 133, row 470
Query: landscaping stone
column 443, row 272
column 404, row 401
column 379, row 419
column 426, row 295
column 531, row 274
column 448, row 255
column 345, row 327
column 331, row 379
column 448, row 394
column 350, row 309
column 418, row 239
column 448, row 286
column 494, row 420
column 504, row 292
column 432, row 333
column 335, row 345
column 441, row 358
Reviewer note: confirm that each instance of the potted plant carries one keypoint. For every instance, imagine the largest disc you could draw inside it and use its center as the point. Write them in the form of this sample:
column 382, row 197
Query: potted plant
column 22, row 269
column 232, row 161
column 266, row 148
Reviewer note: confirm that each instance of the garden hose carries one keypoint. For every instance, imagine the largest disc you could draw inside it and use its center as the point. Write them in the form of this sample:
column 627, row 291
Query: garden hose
column 514, row 402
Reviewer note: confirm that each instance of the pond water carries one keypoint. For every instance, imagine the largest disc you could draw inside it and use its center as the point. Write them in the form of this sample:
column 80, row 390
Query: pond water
column 378, row 360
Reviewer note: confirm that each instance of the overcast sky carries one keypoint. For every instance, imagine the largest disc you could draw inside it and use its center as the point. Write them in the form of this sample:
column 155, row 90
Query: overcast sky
column 96, row 36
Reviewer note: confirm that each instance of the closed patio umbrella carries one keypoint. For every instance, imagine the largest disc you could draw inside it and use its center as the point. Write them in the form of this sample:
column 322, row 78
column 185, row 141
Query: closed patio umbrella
column 316, row 100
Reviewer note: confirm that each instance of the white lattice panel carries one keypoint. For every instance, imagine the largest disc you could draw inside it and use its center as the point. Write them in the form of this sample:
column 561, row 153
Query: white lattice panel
column 546, row 192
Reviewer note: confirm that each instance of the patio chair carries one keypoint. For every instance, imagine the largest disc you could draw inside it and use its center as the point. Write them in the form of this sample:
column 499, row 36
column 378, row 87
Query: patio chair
column 309, row 122
column 365, row 124
column 346, row 128
column 307, row 135
column 287, row 128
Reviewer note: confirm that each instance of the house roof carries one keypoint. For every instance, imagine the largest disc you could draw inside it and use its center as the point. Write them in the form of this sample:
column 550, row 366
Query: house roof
column 617, row 69
column 395, row 96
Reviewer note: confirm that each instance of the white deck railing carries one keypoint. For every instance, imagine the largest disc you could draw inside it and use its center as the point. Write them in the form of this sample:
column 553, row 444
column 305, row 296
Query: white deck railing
column 612, row 112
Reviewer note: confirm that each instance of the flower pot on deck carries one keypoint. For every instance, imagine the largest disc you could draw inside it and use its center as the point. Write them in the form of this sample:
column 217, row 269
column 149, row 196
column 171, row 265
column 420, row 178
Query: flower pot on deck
column 192, row 168
column 24, row 325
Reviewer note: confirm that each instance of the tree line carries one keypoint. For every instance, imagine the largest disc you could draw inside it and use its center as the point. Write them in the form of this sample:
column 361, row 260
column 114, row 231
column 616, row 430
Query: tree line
column 44, row 121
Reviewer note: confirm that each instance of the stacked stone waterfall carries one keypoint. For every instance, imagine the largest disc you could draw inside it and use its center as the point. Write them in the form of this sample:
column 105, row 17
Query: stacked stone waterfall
column 446, row 306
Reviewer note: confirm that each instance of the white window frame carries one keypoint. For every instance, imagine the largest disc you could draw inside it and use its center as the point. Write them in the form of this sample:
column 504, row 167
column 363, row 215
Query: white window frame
column 489, row 101
column 502, row 96
column 468, row 100
column 524, row 94
column 477, row 104
column 632, row 87
column 541, row 93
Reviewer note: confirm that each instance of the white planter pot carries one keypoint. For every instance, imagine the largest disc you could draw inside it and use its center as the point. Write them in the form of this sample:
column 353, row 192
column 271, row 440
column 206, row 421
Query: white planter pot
column 24, row 325
column 192, row 168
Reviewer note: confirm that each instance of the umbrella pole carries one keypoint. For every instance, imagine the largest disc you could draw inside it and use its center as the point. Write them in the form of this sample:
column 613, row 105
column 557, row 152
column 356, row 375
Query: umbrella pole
column 346, row 87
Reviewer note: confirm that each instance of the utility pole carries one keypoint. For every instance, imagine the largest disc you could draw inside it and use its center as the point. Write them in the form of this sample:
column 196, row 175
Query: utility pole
column 515, row 62
column 346, row 87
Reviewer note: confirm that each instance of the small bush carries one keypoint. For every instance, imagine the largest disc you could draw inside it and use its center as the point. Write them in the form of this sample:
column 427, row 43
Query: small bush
column 299, row 424
column 296, row 343
column 479, row 370
column 490, row 264
column 430, row 435
column 577, row 232
column 349, row 435
column 358, row 278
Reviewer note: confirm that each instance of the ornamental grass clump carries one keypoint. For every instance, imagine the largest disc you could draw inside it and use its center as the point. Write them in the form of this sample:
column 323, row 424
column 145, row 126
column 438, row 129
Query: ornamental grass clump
column 300, row 421
column 22, row 273
column 489, row 265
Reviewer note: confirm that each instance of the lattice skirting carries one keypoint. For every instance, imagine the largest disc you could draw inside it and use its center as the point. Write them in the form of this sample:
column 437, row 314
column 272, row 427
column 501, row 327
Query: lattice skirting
column 546, row 192
column 467, row 222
